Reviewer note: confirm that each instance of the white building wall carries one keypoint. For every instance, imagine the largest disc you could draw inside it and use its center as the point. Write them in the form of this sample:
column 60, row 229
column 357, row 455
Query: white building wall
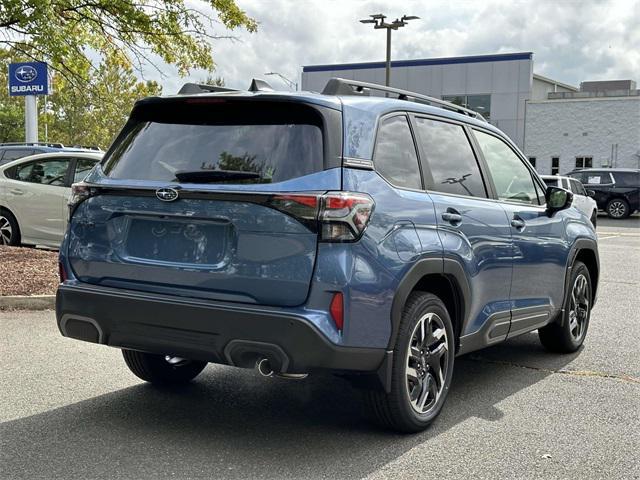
column 541, row 87
column 583, row 127
column 509, row 83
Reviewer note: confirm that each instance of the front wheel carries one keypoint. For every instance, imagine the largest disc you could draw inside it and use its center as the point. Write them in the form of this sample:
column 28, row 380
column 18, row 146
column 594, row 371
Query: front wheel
column 568, row 335
column 422, row 367
column 9, row 230
column 162, row 369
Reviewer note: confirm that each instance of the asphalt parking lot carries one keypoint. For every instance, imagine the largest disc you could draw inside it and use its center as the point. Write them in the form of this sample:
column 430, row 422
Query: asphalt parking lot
column 73, row 410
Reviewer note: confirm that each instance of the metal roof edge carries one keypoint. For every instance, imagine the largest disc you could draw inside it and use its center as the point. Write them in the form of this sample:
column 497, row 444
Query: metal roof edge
column 499, row 57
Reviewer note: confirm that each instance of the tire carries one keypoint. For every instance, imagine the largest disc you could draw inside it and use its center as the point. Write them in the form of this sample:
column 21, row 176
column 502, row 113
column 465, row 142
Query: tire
column 155, row 369
column 9, row 229
column 568, row 334
column 618, row 208
column 400, row 409
column 594, row 218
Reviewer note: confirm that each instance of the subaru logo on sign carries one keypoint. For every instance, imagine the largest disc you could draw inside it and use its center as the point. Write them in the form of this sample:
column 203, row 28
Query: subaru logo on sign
column 26, row 74
column 167, row 194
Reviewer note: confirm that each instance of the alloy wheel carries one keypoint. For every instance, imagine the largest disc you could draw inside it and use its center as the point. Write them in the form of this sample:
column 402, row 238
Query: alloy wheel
column 6, row 232
column 579, row 307
column 427, row 363
column 617, row 209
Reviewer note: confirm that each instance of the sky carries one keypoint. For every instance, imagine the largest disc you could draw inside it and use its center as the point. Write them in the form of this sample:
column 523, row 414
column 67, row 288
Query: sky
column 572, row 41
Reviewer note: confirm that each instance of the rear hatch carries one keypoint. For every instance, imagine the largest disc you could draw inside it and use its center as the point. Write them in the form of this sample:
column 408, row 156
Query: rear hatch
column 199, row 197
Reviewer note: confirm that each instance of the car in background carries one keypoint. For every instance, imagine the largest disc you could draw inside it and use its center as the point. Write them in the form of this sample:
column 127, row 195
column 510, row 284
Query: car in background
column 581, row 197
column 15, row 150
column 616, row 190
column 33, row 196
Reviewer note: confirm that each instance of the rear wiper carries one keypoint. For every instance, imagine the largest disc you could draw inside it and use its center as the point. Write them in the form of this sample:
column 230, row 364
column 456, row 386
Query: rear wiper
column 210, row 176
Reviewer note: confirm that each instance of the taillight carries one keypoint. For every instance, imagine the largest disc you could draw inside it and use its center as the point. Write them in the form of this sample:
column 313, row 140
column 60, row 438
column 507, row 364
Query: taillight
column 341, row 216
column 62, row 273
column 344, row 216
column 337, row 310
column 79, row 193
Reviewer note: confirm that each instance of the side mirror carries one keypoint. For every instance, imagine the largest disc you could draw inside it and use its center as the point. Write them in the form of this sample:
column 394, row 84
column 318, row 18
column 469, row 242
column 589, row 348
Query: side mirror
column 591, row 193
column 558, row 199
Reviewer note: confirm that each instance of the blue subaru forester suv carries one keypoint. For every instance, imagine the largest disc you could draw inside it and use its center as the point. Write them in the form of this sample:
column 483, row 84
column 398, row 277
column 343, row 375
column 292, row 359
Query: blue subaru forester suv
column 376, row 237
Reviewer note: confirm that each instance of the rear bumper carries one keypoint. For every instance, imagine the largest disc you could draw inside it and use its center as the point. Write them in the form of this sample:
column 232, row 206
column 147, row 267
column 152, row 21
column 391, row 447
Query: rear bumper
column 204, row 330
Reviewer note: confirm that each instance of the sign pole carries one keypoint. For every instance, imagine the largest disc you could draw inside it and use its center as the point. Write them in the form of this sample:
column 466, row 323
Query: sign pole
column 31, row 118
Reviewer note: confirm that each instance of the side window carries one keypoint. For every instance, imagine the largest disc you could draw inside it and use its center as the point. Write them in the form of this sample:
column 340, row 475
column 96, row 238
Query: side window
column 83, row 166
column 449, row 158
column 14, row 154
column 576, row 187
column 511, row 177
column 578, row 176
column 627, row 179
column 565, row 184
column 45, row 172
column 599, row 178
column 395, row 155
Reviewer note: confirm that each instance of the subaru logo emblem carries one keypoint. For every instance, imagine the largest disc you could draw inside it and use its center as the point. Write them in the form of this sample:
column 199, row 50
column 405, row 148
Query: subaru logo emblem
column 26, row 73
column 167, row 194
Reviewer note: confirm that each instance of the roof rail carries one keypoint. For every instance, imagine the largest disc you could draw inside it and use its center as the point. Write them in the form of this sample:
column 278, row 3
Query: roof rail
column 189, row 88
column 32, row 144
column 86, row 147
column 341, row 86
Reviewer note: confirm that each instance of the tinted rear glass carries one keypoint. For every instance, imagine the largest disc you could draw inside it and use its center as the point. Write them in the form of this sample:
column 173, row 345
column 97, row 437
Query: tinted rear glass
column 550, row 182
column 212, row 142
column 627, row 179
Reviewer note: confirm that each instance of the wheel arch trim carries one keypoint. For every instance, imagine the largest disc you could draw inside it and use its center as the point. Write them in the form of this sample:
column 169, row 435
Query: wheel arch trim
column 446, row 267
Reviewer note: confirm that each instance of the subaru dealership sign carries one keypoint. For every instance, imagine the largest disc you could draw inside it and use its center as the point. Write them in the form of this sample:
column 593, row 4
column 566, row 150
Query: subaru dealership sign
column 28, row 78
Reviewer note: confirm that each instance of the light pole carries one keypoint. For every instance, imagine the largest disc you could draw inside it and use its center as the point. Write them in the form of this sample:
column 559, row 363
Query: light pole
column 378, row 21
column 291, row 83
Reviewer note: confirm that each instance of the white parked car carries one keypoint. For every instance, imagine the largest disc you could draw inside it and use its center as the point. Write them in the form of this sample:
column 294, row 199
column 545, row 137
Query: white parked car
column 581, row 198
column 33, row 196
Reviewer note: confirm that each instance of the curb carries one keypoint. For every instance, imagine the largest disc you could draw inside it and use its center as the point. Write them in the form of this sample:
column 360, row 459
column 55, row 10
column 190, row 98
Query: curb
column 28, row 302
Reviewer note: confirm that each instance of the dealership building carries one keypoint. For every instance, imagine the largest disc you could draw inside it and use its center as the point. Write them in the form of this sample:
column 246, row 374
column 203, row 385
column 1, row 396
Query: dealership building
column 526, row 106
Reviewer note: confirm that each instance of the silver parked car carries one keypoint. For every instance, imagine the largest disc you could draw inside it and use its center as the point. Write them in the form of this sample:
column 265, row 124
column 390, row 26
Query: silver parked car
column 581, row 197
column 33, row 196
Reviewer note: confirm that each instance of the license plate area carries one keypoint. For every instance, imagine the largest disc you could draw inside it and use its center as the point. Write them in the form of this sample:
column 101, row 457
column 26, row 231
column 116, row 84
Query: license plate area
column 179, row 242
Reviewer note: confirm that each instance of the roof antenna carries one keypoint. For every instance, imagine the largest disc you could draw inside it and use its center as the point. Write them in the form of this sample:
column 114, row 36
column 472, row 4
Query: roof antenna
column 258, row 85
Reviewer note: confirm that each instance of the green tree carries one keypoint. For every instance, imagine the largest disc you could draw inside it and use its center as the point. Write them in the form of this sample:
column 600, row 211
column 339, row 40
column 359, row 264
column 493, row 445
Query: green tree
column 94, row 113
column 11, row 108
column 68, row 33
column 91, row 113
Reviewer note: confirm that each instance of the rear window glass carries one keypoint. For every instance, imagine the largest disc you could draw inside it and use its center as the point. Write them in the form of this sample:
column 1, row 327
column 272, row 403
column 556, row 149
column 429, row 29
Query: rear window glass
column 627, row 179
column 218, row 143
column 551, row 182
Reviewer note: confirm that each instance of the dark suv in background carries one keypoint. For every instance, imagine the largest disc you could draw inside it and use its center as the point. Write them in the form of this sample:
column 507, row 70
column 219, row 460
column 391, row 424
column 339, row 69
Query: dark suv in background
column 617, row 190
column 377, row 238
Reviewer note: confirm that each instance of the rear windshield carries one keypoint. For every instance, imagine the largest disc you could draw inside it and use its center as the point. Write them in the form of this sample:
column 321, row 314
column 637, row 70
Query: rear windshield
column 211, row 142
column 550, row 182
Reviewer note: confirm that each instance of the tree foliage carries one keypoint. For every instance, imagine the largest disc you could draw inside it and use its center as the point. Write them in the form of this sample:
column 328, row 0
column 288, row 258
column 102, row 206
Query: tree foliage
column 87, row 113
column 68, row 33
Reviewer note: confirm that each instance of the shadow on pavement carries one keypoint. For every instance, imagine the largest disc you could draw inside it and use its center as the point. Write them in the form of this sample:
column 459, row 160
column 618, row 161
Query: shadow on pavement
column 232, row 423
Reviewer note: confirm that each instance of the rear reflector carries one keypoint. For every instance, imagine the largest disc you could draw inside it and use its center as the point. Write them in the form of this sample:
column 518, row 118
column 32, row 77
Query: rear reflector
column 61, row 272
column 337, row 310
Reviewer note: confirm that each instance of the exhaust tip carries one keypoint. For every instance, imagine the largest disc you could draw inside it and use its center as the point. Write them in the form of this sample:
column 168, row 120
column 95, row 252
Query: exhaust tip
column 264, row 367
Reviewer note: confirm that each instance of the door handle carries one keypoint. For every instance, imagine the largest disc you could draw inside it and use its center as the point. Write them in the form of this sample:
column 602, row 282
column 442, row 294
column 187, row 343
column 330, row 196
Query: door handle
column 16, row 191
column 452, row 217
column 518, row 223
